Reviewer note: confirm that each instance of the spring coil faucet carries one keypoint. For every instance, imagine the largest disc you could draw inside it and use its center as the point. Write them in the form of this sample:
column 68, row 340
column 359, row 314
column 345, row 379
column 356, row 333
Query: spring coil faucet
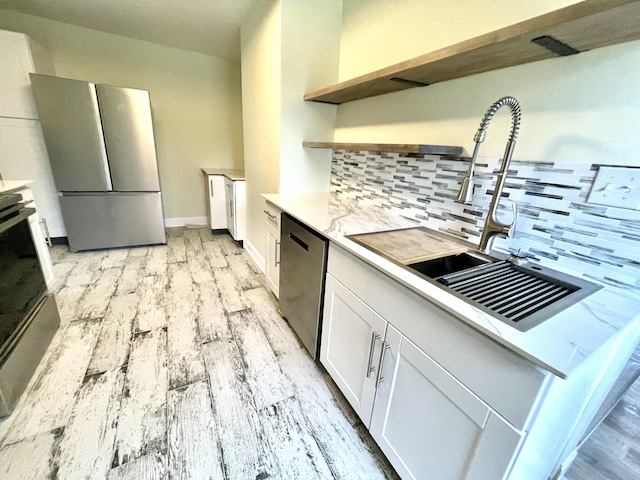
column 492, row 226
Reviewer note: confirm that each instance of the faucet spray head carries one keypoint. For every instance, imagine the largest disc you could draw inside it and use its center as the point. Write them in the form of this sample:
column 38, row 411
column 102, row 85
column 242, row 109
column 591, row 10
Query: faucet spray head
column 466, row 190
column 465, row 194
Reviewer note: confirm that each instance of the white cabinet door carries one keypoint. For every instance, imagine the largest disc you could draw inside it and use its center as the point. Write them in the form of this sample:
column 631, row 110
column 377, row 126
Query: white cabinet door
column 217, row 202
column 351, row 345
column 429, row 425
column 272, row 264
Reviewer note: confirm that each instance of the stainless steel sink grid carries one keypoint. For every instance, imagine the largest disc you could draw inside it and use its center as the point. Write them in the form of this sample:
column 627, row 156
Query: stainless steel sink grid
column 521, row 296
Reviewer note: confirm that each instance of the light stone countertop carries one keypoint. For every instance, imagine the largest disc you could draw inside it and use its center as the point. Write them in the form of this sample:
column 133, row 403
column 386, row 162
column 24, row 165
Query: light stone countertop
column 231, row 174
column 559, row 344
column 8, row 186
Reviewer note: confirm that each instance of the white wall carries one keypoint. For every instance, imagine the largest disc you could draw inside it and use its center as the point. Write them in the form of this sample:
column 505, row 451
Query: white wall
column 379, row 33
column 260, row 45
column 310, row 50
column 289, row 47
column 582, row 108
column 196, row 99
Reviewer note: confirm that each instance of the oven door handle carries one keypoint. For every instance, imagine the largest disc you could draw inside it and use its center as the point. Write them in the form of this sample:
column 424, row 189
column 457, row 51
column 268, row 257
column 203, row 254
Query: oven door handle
column 23, row 214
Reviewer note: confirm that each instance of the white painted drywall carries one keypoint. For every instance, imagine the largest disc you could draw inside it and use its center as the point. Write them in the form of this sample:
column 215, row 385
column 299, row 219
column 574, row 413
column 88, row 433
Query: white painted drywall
column 289, row 47
column 260, row 47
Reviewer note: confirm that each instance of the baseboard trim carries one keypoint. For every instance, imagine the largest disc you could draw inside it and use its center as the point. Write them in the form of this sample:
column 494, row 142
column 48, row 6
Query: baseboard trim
column 255, row 255
column 185, row 221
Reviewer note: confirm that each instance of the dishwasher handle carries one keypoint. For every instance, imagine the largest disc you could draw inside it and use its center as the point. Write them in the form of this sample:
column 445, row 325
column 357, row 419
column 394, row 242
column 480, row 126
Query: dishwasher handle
column 296, row 239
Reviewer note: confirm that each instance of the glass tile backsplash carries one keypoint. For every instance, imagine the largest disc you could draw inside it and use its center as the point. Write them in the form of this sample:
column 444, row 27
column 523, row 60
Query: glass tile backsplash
column 555, row 226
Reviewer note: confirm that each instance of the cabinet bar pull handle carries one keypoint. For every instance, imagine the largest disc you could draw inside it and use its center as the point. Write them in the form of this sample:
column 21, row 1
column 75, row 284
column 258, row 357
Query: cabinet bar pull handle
column 385, row 347
column 370, row 368
column 277, row 259
column 211, row 187
column 269, row 214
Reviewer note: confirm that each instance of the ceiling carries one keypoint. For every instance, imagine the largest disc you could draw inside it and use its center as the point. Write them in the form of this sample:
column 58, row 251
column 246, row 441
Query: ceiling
column 211, row 27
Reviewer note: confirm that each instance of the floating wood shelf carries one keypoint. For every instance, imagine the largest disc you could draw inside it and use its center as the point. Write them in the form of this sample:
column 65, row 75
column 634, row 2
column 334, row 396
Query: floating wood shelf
column 584, row 26
column 388, row 147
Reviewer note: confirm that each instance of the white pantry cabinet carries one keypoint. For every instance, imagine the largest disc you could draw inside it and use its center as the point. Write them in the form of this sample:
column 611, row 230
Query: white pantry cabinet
column 23, row 155
column 272, row 264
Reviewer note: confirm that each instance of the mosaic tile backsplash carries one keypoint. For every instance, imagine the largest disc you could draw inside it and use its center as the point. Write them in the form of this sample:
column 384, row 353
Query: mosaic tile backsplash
column 555, row 225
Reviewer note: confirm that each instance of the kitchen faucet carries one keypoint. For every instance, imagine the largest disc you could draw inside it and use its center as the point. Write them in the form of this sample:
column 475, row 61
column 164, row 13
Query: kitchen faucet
column 493, row 226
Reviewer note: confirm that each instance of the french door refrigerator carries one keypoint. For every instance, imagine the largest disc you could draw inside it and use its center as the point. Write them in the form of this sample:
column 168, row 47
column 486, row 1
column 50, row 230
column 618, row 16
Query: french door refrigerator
column 102, row 152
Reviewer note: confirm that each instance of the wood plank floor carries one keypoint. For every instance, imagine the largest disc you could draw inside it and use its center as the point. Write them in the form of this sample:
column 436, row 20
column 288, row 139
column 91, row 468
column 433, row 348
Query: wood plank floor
column 172, row 363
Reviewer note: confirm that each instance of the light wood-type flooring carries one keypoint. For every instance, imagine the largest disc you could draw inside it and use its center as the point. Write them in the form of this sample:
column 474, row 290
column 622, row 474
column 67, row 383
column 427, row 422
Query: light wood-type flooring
column 172, row 362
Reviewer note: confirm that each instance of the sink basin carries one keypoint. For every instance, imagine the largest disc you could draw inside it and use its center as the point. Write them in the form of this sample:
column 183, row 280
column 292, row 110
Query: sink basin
column 454, row 263
column 521, row 295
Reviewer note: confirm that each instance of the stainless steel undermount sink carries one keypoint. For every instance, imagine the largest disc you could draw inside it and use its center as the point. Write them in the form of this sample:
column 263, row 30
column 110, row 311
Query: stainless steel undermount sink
column 450, row 264
column 522, row 295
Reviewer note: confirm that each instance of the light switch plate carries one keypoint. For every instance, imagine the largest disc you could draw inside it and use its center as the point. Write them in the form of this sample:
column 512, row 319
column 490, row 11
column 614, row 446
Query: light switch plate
column 616, row 187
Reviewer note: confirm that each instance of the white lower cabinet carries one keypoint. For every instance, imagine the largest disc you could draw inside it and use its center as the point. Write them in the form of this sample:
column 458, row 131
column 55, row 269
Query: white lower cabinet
column 429, row 425
column 351, row 346
column 226, row 205
column 427, row 422
column 272, row 263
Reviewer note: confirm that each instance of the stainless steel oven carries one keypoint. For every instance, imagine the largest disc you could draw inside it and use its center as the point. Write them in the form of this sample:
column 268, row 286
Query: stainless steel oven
column 28, row 313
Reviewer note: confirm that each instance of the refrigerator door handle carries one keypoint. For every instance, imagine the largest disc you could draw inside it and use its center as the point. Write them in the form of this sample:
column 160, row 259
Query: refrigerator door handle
column 103, row 150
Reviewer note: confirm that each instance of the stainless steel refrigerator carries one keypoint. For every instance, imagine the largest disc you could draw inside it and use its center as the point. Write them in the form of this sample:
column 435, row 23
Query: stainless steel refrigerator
column 102, row 152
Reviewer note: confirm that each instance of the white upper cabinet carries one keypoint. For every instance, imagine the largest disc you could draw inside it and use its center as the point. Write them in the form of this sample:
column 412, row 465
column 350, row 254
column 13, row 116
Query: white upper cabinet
column 16, row 63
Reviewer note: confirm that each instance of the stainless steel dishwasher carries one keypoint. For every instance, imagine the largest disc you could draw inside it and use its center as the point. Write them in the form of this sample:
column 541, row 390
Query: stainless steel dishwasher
column 303, row 264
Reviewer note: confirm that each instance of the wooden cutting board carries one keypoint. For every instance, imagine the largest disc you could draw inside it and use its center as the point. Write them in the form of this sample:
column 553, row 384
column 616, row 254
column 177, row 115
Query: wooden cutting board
column 410, row 245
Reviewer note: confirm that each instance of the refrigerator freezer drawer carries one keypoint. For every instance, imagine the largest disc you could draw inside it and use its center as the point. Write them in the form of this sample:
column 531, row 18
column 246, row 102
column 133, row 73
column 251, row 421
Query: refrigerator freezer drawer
column 113, row 220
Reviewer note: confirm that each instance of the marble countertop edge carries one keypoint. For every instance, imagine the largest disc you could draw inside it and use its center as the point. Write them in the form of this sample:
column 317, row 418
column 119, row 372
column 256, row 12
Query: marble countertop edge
column 230, row 173
column 558, row 345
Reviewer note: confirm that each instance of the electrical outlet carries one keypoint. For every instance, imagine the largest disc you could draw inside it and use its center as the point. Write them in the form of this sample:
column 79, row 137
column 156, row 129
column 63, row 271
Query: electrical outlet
column 616, row 187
